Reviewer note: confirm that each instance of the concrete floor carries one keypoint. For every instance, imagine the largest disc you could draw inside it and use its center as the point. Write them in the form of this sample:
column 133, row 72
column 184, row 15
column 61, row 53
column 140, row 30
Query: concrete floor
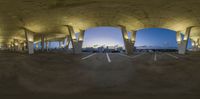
column 143, row 75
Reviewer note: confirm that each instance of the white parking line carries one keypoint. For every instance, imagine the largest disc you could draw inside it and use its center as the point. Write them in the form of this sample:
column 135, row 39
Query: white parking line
column 88, row 56
column 138, row 55
column 124, row 55
column 171, row 55
column 108, row 57
column 132, row 56
column 155, row 57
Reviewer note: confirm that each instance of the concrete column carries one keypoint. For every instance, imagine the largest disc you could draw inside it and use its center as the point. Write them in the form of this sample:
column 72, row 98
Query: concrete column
column 63, row 43
column 182, row 44
column 133, row 37
column 198, row 44
column 42, row 42
column 18, row 45
column 67, row 41
column 60, row 43
column 194, row 46
column 21, row 45
column 24, row 46
column 12, row 46
column 76, row 44
column 127, row 42
column 29, row 41
column 47, row 45
column 15, row 45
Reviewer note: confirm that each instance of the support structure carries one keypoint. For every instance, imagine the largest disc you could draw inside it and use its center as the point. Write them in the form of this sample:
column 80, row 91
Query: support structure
column 133, row 37
column 29, row 41
column 195, row 45
column 37, row 46
column 76, row 43
column 47, row 45
column 198, row 44
column 128, row 43
column 42, row 41
column 67, row 41
column 60, row 44
column 182, row 44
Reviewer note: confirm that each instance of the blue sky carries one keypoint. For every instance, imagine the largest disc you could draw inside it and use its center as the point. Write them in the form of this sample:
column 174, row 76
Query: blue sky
column 145, row 37
column 110, row 36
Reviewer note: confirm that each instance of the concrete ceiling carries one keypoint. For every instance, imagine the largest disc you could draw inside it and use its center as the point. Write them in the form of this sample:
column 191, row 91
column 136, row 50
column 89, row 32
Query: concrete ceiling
column 49, row 16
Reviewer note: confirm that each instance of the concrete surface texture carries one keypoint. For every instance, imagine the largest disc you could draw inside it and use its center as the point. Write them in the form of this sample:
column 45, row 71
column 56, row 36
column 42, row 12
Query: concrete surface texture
column 50, row 16
column 143, row 75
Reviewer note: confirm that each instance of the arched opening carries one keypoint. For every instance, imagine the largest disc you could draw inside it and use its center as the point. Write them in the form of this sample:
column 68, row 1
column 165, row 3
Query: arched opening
column 109, row 39
column 103, row 39
column 159, row 39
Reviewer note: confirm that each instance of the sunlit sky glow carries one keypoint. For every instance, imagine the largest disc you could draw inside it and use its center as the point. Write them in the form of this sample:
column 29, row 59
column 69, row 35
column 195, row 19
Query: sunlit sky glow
column 100, row 36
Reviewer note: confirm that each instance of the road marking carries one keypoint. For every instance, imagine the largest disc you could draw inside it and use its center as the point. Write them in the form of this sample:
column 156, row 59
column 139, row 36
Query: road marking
column 124, row 55
column 132, row 56
column 138, row 55
column 172, row 55
column 108, row 57
column 155, row 57
column 88, row 56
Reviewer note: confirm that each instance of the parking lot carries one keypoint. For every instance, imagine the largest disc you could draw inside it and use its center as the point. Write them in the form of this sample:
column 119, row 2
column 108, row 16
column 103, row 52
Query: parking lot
column 115, row 74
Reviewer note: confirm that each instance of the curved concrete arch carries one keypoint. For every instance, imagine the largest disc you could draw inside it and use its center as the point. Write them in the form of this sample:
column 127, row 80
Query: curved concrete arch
column 48, row 16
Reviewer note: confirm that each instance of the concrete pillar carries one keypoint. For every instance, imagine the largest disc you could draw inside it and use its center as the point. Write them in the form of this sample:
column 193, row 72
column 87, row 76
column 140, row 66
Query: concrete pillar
column 63, row 43
column 24, row 46
column 194, row 46
column 42, row 42
column 182, row 44
column 18, row 45
column 37, row 46
column 67, row 41
column 198, row 44
column 47, row 45
column 60, row 44
column 29, row 41
column 76, row 44
column 133, row 37
column 128, row 43
column 15, row 45
column 12, row 46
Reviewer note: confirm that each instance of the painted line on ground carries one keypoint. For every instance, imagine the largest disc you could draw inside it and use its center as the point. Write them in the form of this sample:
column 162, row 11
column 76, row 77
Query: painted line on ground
column 131, row 56
column 108, row 57
column 124, row 55
column 138, row 55
column 88, row 56
column 155, row 57
column 172, row 55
